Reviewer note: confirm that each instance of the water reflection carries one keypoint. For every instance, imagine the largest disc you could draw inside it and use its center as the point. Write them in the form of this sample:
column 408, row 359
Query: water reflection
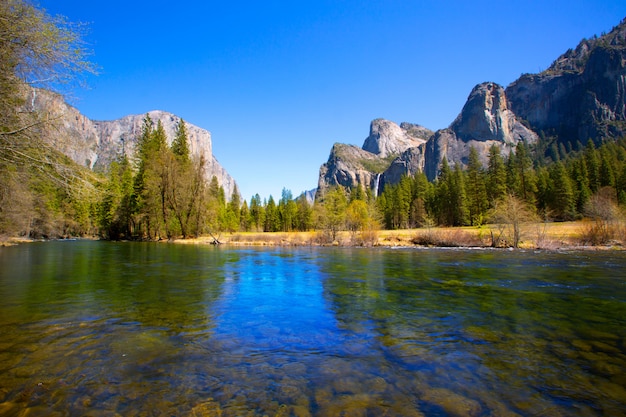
column 92, row 328
column 492, row 332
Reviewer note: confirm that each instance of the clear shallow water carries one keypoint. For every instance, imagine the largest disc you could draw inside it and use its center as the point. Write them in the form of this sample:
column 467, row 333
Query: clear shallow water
column 133, row 329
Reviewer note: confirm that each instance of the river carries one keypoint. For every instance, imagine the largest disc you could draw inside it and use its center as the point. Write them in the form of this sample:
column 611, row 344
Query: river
column 147, row 329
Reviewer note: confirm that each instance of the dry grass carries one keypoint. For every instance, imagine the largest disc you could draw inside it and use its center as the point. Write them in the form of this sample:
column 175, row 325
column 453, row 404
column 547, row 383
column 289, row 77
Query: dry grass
column 448, row 237
column 549, row 236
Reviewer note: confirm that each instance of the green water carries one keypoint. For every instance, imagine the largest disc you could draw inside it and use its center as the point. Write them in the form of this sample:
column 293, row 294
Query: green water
column 134, row 329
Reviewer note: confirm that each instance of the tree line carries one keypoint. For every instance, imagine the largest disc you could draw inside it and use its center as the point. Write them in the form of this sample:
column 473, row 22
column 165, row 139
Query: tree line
column 162, row 193
column 42, row 193
column 558, row 187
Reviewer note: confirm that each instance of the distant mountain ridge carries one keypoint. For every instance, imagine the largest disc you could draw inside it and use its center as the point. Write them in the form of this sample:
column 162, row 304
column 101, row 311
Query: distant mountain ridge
column 581, row 96
column 95, row 144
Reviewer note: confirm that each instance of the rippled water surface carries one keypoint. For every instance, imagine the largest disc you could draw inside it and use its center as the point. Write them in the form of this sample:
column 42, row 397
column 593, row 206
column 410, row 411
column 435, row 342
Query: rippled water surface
column 138, row 329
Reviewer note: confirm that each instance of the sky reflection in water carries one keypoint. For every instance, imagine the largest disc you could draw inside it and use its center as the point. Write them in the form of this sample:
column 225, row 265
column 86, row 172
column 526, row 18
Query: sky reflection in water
column 95, row 327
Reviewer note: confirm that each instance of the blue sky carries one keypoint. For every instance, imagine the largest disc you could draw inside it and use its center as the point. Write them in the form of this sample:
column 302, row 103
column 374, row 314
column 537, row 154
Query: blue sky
column 278, row 82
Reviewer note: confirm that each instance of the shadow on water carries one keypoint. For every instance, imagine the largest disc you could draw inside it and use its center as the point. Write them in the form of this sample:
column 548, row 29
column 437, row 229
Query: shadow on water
column 100, row 328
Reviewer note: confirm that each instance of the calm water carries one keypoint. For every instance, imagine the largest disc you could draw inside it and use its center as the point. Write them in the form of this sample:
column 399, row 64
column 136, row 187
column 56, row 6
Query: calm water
column 131, row 329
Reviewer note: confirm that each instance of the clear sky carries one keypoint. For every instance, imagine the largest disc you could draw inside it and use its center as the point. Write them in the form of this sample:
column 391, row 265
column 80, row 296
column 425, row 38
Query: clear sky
column 278, row 82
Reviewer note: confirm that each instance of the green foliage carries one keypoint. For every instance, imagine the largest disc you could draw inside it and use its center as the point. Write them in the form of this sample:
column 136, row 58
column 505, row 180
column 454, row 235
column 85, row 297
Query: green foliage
column 333, row 210
column 42, row 193
column 272, row 219
column 180, row 144
column 477, row 202
column 557, row 190
column 165, row 196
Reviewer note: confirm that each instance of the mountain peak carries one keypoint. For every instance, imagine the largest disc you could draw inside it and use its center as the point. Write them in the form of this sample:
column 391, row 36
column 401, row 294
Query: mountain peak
column 95, row 144
column 388, row 138
column 574, row 60
column 486, row 117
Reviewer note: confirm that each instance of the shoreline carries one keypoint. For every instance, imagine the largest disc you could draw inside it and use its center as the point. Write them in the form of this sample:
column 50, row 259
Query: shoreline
column 537, row 236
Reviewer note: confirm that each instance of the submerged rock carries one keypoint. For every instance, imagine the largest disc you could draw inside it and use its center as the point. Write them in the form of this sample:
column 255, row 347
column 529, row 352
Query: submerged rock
column 452, row 403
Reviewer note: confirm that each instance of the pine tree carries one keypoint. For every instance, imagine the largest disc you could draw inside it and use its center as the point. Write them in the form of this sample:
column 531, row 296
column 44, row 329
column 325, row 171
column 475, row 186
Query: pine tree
column 561, row 193
column 180, row 144
column 244, row 216
column 287, row 210
column 580, row 177
column 115, row 216
column 459, row 197
column 356, row 193
column 257, row 213
column 524, row 166
column 606, row 171
column 234, row 211
column 443, row 196
column 476, row 190
column 621, row 185
column 422, row 195
column 304, row 214
column 272, row 220
column 592, row 162
column 496, row 184
column 215, row 207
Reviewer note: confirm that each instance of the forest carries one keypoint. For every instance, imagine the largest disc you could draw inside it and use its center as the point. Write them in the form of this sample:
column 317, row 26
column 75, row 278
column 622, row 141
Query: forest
column 161, row 192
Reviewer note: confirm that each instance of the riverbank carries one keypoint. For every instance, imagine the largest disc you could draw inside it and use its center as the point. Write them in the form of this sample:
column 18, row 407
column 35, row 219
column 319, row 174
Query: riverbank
column 551, row 236
column 577, row 235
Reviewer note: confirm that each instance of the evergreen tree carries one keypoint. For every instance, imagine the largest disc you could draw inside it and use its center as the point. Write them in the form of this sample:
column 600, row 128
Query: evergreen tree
column 443, row 202
column 562, row 200
column 356, row 193
column 304, row 214
column 234, row 209
column 180, row 144
column 592, row 162
column 580, row 177
column 257, row 213
column 144, row 153
column 151, row 179
column 215, row 207
column 496, row 184
column 115, row 216
column 621, row 185
column 459, row 197
column 272, row 220
column 544, row 188
column 244, row 216
column 513, row 180
column 476, row 190
column 526, row 186
column 287, row 211
column 606, row 171
column 422, row 195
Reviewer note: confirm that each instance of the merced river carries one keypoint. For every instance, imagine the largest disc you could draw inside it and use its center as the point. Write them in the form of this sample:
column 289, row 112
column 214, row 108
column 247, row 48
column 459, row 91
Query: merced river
column 154, row 329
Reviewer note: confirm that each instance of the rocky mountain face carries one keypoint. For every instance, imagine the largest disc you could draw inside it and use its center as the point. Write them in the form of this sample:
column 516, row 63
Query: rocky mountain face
column 349, row 165
column 387, row 138
column 485, row 120
column 581, row 96
column 95, row 144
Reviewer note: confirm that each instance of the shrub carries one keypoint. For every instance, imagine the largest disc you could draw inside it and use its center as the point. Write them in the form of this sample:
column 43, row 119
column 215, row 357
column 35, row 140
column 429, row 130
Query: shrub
column 447, row 238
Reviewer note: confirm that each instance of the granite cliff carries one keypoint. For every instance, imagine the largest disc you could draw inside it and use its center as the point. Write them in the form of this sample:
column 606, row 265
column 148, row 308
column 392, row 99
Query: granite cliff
column 581, row 96
column 349, row 165
column 94, row 144
column 485, row 120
